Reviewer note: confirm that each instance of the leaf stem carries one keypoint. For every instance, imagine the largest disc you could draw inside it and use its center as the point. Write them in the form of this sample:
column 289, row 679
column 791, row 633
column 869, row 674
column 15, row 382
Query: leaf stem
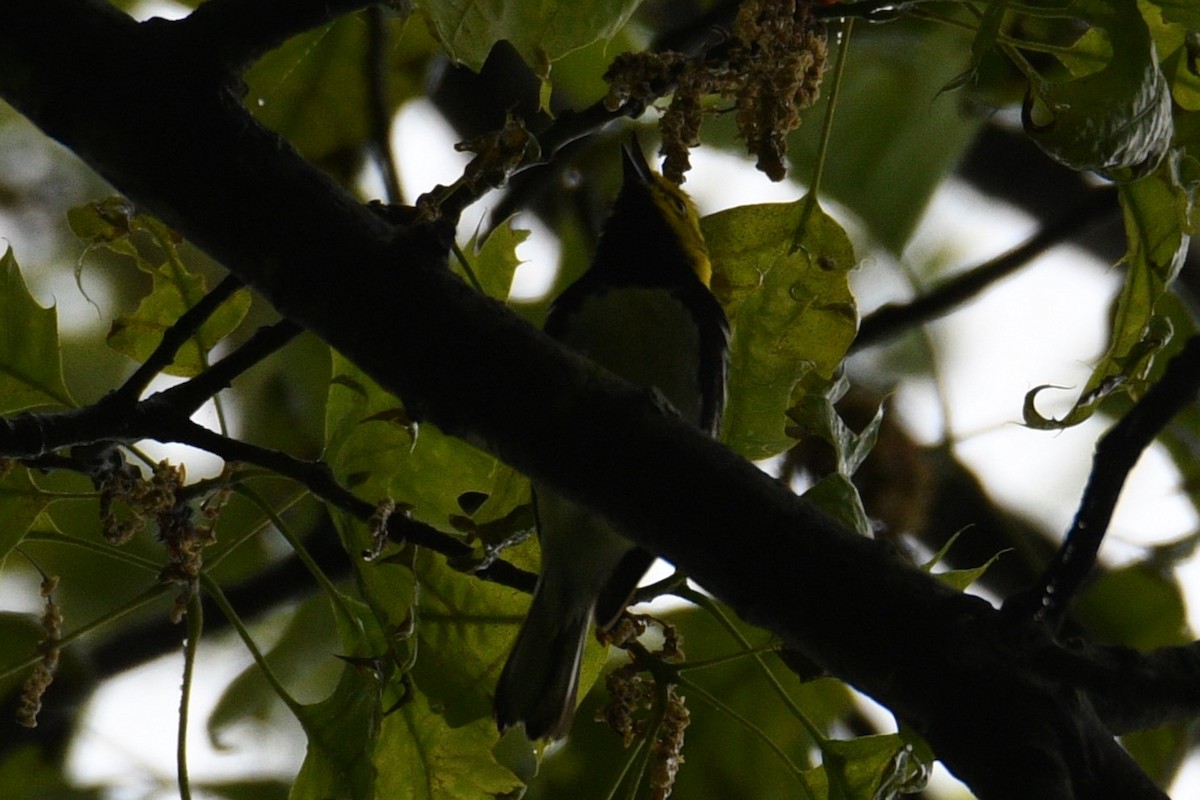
column 146, row 597
column 195, row 617
column 758, row 732
column 298, row 548
column 218, row 596
column 705, row 602
column 839, row 72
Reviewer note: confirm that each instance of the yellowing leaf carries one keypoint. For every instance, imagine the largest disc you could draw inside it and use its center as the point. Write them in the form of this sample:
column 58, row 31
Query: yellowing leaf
column 787, row 293
column 30, row 361
column 175, row 289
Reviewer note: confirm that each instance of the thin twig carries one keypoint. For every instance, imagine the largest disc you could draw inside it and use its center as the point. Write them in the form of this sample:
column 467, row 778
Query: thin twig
column 893, row 319
column 176, row 337
column 195, row 627
column 1116, row 454
column 187, row 397
column 379, row 116
column 318, row 478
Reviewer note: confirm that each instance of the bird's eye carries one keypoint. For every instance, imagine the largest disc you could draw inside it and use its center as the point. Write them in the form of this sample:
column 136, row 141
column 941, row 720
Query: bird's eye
column 680, row 206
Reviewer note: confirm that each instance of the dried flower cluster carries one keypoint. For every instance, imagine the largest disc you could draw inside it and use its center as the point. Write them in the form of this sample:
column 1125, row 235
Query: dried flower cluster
column 43, row 674
column 771, row 67
column 667, row 747
column 128, row 500
column 633, row 693
column 785, row 54
column 184, row 538
column 629, row 693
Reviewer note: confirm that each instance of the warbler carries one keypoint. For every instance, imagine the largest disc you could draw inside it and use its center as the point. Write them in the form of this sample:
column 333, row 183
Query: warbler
column 644, row 311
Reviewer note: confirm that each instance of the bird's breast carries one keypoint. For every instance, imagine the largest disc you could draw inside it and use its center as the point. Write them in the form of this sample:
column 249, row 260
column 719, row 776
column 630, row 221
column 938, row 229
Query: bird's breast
column 645, row 335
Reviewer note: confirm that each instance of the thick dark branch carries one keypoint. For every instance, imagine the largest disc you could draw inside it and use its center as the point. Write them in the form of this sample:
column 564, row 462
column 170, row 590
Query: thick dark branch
column 189, row 152
column 1132, row 690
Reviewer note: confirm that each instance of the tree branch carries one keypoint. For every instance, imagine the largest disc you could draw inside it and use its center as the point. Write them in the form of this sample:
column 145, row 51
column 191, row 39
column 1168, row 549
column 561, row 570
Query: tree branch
column 187, row 397
column 1116, row 454
column 895, row 318
column 174, row 338
column 185, row 148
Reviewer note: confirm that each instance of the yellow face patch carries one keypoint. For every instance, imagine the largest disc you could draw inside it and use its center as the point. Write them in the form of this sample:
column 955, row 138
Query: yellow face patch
column 680, row 213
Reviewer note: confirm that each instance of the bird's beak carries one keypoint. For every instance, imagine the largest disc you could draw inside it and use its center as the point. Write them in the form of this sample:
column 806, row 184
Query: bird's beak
column 634, row 162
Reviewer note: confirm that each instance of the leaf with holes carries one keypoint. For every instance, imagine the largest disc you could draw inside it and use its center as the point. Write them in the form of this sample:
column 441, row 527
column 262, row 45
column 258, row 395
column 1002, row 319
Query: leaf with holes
column 784, row 281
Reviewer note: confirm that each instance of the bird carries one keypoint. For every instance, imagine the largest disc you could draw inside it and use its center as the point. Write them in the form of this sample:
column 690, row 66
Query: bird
column 644, row 311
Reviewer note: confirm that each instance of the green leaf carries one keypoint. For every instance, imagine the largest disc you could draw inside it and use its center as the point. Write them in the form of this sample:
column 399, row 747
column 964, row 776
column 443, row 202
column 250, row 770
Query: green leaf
column 542, row 31
column 1178, row 50
column 30, row 357
column 495, row 259
column 373, row 448
column 867, row 768
column 817, row 415
column 465, row 630
column 112, row 224
column 302, row 658
column 315, row 89
column 724, row 757
column 1090, row 53
column 1137, row 606
column 983, row 44
column 896, row 133
column 29, row 773
column 421, row 757
column 791, row 310
column 106, row 223
column 343, row 731
column 175, row 289
column 249, row 789
column 1185, row 12
column 21, row 502
column 962, row 579
column 19, row 637
column 1157, row 229
column 1116, row 121
column 459, row 643
column 837, row 496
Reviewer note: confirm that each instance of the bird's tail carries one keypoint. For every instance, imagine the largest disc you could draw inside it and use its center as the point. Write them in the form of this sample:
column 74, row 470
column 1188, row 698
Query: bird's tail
column 539, row 682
